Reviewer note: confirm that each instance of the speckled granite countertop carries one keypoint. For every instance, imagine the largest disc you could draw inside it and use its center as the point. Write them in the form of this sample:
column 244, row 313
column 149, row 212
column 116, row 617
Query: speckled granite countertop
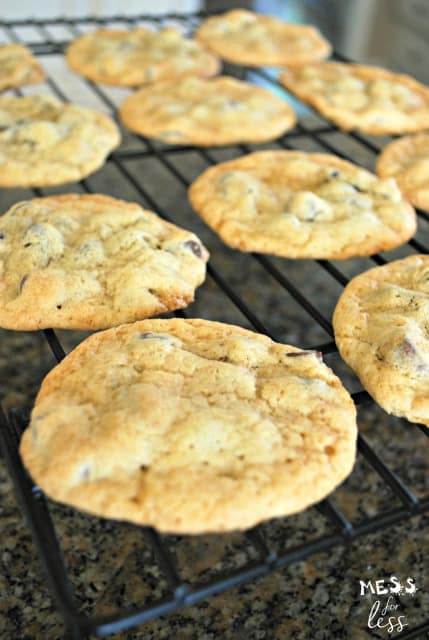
column 111, row 565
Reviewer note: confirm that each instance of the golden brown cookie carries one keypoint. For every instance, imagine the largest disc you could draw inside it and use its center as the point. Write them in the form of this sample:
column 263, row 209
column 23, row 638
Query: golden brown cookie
column 302, row 205
column 136, row 57
column 256, row 40
column 381, row 329
column 46, row 142
column 368, row 99
column 90, row 262
column 220, row 111
column 190, row 426
column 18, row 67
column 407, row 160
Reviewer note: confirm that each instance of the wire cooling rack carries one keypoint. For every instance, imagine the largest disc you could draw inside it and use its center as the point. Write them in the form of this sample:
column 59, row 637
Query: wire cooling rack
column 48, row 38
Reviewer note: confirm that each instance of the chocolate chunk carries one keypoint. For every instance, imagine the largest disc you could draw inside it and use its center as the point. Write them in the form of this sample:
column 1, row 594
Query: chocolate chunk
column 233, row 104
column 334, row 173
column 149, row 334
column 195, row 247
column 22, row 283
column 297, row 354
column 407, row 348
column 84, row 470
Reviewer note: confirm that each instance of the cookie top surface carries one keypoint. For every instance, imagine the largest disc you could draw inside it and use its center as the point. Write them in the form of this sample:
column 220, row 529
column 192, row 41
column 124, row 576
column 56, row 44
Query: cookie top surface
column 18, row 67
column 302, row 205
column 380, row 325
column 407, row 160
column 131, row 58
column 47, row 142
column 90, row 261
column 252, row 39
column 190, row 426
column 369, row 99
column 220, row 111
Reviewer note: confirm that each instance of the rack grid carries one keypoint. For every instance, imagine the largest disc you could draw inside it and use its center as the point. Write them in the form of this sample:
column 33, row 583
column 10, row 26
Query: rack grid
column 34, row 505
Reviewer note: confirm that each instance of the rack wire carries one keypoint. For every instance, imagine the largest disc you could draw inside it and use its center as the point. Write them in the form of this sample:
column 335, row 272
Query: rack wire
column 34, row 505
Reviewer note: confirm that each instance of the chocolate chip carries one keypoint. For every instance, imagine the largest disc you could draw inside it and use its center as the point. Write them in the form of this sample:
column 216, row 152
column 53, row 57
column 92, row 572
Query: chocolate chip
column 298, row 354
column 195, row 247
column 408, row 348
column 83, row 471
column 1, row 235
column 59, row 306
column 149, row 334
column 27, row 244
column 23, row 281
column 233, row 104
column 3, row 128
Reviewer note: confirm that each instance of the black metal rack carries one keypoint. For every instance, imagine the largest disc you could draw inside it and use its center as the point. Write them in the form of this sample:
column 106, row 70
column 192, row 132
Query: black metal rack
column 35, row 506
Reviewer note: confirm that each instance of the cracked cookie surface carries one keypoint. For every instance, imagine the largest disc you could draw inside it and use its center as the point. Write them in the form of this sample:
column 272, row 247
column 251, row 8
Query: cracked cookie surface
column 46, row 142
column 368, row 99
column 253, row 39
column 136, row 57
column 90, row 261
column 219, row 111
column 18, row 67
column 302, row 205
column 381, row 329
column 407, row 160
column 190, row 426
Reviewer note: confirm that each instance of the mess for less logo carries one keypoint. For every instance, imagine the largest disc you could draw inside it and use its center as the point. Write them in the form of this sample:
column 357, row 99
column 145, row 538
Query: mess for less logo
column 385, row 614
